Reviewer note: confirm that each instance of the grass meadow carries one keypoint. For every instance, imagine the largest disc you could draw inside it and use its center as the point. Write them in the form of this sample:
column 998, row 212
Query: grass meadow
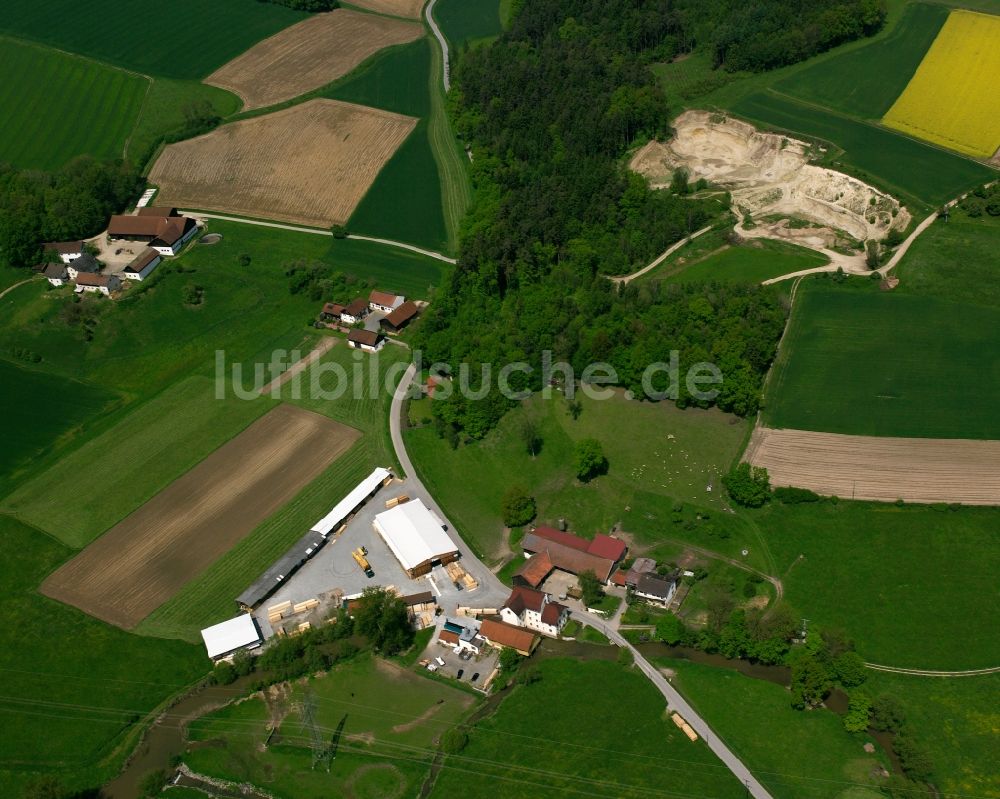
column 867, row 80
column 57, row 106
column 858, row 360
column 468, row 21
column 114, row 473
column 211, row 595
column 543, row 740
column 903, row 166
column 394, row 79
column 391, row 718
column 752, row 262
column 955, row 720
column 40, row 410
column 795, row 754
column 74, row 688
column 190, row 40
column 906, row 582
column 655, row 451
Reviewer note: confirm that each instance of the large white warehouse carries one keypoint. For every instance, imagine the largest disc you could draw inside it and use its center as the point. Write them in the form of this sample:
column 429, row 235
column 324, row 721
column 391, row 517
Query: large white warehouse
column 416, row 537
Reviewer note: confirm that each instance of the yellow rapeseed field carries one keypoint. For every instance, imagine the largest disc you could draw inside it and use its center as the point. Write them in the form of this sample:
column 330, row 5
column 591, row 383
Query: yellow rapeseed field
column 954, row 97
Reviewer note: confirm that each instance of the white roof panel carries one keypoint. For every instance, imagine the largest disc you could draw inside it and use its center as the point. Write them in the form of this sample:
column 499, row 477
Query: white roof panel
column 230, row 635
column 413, row 534
column 339, row 512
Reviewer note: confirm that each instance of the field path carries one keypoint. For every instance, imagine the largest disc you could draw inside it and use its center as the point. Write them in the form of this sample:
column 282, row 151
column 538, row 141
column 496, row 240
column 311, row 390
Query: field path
column 9, row 289
column 933, row 673
column 446, row 67
column 320, row 232
column 625, row 279
column 676, row 702
column 325, row 345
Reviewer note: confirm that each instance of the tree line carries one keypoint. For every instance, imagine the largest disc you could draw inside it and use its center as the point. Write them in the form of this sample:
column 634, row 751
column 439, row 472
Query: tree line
column 550, row 109
column 70, row 203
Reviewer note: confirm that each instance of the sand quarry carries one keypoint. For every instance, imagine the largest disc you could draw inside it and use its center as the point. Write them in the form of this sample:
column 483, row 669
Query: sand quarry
column 770, row 175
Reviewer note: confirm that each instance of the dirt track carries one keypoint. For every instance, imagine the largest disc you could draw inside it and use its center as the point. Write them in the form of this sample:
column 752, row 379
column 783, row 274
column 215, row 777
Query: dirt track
column 308, row 55
column 310, row 164
column 881, row 469
column 150, row 555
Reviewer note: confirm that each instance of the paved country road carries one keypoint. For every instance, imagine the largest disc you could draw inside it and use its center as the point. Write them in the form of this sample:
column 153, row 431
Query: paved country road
column 674, row 700
column 446, row 72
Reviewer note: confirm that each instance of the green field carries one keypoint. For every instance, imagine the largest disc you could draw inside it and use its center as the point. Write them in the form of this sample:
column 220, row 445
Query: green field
column 867, row 80
column 654, row 450
column 904, row 582
column 904, row 167
column 544, row 741
column 404, row 202
column 211, row 595
column 795, row 754
column 73, row 687
column 955, row 720
column 57, row 106
column 40, row 409
column 140, row 455
column 857, row 360
column 394, row 79
column 392, row 719
column 467, row 21
column 189, row 39
column 753, row 262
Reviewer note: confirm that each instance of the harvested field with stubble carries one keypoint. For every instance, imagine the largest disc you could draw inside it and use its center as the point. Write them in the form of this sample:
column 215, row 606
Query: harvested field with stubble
column 880, row 469
column 150, row 555
column 398, row 8
column 310, row 164
column 308, row 55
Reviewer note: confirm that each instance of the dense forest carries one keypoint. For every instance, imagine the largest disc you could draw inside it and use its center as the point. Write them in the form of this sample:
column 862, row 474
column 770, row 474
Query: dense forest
column 549, row 110
column 71, row 203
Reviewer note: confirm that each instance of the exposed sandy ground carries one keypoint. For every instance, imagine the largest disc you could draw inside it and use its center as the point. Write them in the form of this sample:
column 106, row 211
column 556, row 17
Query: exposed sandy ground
column 308, row 55
column 310, row 164
column 770, row 174
column 883, row 469
column 150, row 555
column 325, row 345
column 399, row 8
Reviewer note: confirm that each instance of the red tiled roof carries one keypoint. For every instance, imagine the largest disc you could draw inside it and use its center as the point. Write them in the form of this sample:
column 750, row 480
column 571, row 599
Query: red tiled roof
column 90, row 279
column 367, row 337
column 562, row 537
column 64, row 247
column 500, row 634
column 522, row 598
column 356, row 307
column 168, row 229
column 618, row 578
column 382, row 298
column 333, row 308
column 448, row 637
column 567, row 558
column 142, row 260
column 535, row 569
column 403, row 314
column 552, row 612
column 606, row 546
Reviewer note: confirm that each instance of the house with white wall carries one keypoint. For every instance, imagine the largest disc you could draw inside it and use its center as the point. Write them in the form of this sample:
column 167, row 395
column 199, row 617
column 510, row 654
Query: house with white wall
column 142, row 265
column 66, row 250
column 384, row 301
column 100, row 284
column 526, row 607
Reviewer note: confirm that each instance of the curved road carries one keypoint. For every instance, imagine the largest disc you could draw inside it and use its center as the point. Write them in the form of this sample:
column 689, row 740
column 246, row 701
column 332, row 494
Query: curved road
column 446, row 72
column 22, row 283
column 674, row 700
column 662, row 257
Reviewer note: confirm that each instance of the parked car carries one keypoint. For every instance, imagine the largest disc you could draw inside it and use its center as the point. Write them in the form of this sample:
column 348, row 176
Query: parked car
column 460, row 673
column 439, row 661
column 432, row 667
column 474, row 677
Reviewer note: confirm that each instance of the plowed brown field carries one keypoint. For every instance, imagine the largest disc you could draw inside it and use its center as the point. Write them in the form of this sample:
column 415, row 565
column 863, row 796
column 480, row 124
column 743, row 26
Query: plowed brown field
column 149, row 556
column 310, row 164
column 308, row 55
column 400, row 8
column 881, row 469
